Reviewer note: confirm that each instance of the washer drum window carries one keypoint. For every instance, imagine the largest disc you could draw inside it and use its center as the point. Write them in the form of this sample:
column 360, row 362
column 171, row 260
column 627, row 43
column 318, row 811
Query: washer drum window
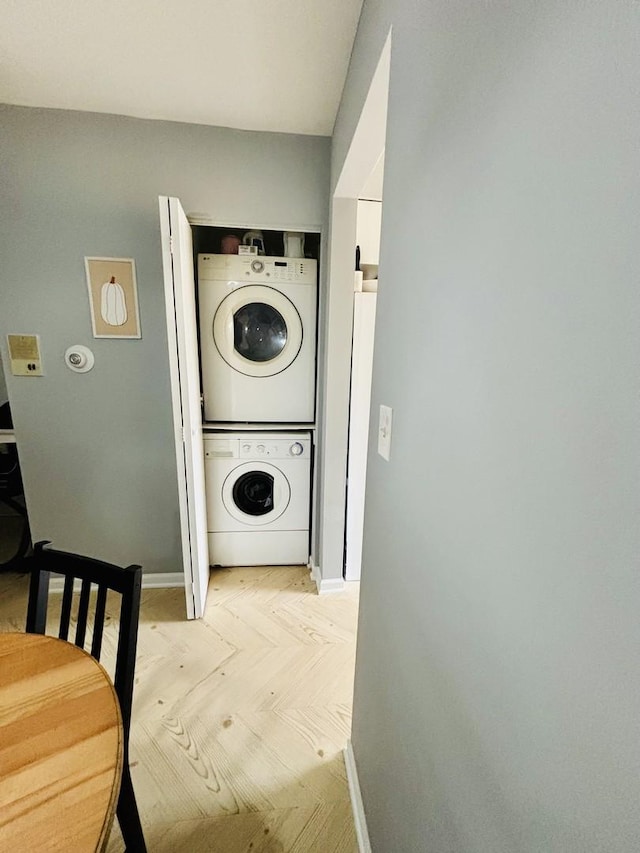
column 253, row 493
column 256, row 493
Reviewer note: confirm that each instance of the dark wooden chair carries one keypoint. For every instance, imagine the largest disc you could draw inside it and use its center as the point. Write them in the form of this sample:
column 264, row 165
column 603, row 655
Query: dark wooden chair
column 126, row 581
column 10, row 490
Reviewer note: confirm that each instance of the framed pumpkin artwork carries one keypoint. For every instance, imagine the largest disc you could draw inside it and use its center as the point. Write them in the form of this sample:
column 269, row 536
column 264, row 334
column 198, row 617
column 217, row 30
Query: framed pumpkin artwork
column 113, row 297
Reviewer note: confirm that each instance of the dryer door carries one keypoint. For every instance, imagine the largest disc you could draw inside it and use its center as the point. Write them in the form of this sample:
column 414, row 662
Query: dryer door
column 256, row 493
column 257, row 330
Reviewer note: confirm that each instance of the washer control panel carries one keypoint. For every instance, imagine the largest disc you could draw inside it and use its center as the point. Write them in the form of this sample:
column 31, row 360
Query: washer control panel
column 258, row 446
column 273, row 448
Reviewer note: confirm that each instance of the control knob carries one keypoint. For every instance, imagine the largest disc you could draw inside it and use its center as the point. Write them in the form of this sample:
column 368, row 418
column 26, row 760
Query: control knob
column 296, row 449
column 257, row 266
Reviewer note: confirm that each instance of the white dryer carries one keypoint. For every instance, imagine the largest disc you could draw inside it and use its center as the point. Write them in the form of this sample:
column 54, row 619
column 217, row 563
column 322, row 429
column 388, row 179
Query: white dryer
column 257, row 338
column 258, row 497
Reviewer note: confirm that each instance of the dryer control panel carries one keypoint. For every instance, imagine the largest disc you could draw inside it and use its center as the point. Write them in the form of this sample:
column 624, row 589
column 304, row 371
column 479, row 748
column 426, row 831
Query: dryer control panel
column 263, row 269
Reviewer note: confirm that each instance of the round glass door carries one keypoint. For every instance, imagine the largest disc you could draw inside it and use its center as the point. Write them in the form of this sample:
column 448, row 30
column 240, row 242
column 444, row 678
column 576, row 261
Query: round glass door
column 256, row 493
column 257, row 330
column 253, row 493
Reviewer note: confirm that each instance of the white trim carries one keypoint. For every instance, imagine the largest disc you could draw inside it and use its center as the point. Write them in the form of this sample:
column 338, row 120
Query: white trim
column 365, row 149
column 369, row 138
column 330, row 585
column 176, row 403
column 325, row 586
column 314, row 571
column 212, row 427
column 364, row 315
column 337, row 378
column 212, row 222
column 357, row 806
column 154, row 580
column 163, row 580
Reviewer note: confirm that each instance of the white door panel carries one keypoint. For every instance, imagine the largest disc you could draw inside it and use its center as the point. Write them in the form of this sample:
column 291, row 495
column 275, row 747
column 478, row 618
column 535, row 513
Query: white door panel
column 177, row 257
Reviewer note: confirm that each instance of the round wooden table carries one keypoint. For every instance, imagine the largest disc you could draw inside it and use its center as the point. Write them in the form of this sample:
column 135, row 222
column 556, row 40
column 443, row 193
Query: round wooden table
column 60, row 747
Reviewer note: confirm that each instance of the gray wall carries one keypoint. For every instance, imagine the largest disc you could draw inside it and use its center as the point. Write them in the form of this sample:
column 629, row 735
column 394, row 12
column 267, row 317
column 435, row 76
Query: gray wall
column 497, row 693
column 97, row 450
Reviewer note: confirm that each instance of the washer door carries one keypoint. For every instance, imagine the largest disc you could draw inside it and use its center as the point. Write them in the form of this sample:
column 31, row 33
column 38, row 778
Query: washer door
column 257, row 330
column 256, row 493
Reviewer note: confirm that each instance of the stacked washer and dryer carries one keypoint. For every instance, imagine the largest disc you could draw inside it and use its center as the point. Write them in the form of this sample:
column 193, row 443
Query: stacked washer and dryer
column 257, row 319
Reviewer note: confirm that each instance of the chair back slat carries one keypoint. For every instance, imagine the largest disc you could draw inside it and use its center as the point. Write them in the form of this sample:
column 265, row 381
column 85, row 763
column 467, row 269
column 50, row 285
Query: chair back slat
column 83, row 612
column 38, row 599
column 65, row 612
column 125, row 662
column 101, row 603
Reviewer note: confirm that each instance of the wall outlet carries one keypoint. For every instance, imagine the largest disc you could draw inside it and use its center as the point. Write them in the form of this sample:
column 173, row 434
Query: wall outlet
column 384, row 432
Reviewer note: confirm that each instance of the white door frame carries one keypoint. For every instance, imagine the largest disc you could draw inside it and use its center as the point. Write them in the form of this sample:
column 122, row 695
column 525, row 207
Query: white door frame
column 366, row 147
column 364, row 315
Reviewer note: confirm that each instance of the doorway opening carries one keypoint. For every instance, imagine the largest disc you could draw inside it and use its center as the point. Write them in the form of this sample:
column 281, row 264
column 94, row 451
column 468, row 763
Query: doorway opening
column 232, row 317
column 365, row 297
column 363, row 165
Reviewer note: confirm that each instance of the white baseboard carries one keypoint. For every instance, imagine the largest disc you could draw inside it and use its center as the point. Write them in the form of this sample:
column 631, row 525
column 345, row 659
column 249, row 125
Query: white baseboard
column 162, row 580
column 325, row 585
column 314, row 571
column 155, row 580
column 359, row 818
column 329, row 585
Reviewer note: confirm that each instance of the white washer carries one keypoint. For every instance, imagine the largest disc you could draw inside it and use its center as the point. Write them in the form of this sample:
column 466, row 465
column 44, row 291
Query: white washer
column 257, row 338
column 258, row 498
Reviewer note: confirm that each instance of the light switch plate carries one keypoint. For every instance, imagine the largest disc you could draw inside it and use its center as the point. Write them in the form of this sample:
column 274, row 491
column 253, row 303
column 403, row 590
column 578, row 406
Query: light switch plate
column 384, row 432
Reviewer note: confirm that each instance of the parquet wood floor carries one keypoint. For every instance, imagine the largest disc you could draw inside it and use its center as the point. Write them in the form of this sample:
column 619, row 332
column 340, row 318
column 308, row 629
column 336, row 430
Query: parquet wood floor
column 240, row 718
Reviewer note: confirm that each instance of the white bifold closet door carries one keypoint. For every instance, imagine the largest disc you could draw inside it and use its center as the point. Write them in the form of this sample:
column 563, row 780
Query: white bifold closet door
column 177, row 258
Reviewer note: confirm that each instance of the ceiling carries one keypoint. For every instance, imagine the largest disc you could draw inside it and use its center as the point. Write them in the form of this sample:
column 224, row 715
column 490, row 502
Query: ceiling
column 274, row 65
